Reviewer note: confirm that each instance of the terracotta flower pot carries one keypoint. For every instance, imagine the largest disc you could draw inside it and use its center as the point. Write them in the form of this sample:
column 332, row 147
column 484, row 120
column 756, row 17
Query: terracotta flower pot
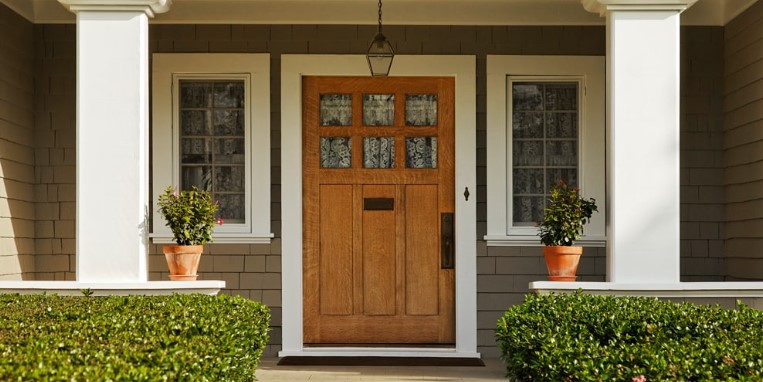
column 562, row 262
column 183, row 261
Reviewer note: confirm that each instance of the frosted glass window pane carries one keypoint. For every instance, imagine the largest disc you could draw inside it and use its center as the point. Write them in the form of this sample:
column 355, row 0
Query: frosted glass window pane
column 336, row 152
column 421, row 152
column 230, row 151
column 544, row 130
column 421, row 110
column 230, row 179
column 195, row 122
column 336, row 109
column 562, row 125
column 195, row 150
column 378, row 109
column 528, row 210
column 527, row 124
column 196, row 176
column 528, row 181
column 232, row 207
column 212, row 142
column 527, row 153
column 379, row 152
column 229, row 94
column 562, row 153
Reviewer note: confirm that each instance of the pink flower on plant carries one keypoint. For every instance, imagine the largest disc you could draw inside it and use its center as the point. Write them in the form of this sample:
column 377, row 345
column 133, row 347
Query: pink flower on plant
column 640, row 378
column 175, row 194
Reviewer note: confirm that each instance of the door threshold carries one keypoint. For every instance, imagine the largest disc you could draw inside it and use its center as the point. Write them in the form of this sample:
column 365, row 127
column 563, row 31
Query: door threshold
column 379, row 361
column 367, row 351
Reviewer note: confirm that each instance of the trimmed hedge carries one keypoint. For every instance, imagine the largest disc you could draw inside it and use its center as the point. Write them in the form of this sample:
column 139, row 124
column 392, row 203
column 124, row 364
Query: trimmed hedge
column 134, row 338
column 579, row 337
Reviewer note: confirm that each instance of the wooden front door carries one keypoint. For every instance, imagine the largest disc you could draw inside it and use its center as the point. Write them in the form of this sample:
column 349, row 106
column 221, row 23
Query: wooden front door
column 378, row 191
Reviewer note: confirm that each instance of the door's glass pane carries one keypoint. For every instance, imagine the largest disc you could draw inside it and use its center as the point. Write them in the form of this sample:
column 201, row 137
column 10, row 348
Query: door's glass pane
column 527, row 153
column 421, row 152
column 421, row 110
column 379, row 152
column 336, row 109
column 212, row 142
column 336, row 152
column 378, row 109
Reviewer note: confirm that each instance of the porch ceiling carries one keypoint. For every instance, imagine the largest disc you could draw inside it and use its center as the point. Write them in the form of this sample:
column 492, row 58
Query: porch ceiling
column 408, row 12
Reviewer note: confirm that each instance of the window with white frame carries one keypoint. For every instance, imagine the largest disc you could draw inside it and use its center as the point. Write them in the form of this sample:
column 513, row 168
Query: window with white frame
column 211, row 130
column 545, row 123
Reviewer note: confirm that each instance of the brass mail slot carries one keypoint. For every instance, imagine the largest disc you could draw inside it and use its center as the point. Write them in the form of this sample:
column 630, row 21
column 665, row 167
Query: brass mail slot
column 378, row 204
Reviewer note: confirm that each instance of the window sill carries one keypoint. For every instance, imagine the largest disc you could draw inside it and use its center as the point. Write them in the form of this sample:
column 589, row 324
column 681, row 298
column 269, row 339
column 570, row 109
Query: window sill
column 222, row 239
column 534, row 241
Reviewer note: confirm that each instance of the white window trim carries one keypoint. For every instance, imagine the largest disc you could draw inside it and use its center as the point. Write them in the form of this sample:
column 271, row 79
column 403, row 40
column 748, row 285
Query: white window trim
column 590, row 70
column 254, row 69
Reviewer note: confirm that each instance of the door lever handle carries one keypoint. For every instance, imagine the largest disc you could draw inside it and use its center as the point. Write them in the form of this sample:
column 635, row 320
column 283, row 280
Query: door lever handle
column 447, row 247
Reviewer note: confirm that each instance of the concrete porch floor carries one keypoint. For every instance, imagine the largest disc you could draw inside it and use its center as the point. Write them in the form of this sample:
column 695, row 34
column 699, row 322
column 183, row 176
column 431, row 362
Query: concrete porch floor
column 270, row 371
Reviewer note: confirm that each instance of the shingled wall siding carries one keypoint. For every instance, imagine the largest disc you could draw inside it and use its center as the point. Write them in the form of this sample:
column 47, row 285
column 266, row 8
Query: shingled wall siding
column 743, row 144
column 254, row 271
column 17, row 175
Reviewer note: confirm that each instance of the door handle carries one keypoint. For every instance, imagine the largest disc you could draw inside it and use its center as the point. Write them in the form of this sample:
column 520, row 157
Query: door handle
column 447, row 241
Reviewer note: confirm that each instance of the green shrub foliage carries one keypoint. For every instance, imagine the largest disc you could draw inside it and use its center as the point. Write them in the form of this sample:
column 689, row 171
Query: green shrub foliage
column 134, row 338
column 580, row 337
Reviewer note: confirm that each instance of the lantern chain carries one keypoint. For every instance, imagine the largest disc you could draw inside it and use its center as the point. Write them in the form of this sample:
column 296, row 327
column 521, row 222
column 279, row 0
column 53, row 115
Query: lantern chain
column 380, row 16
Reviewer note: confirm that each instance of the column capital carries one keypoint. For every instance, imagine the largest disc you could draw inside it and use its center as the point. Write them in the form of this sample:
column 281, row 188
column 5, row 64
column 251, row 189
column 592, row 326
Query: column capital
column 150, row 7
column 603, row 6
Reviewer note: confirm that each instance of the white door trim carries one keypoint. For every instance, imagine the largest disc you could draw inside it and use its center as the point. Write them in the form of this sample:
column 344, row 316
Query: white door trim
column 463, row 68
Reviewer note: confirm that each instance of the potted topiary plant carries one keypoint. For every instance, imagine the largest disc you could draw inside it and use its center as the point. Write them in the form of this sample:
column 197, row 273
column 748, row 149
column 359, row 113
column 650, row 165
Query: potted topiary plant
column 566, row 214
column 191, row 217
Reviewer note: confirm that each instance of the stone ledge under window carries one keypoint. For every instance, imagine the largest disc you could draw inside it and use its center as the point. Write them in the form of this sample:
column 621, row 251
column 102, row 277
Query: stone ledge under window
column 223, row 239
column 534, row 241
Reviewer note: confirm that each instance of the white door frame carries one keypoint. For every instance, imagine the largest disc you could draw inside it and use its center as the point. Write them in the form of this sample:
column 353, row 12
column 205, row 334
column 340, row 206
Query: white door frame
column 463, row 68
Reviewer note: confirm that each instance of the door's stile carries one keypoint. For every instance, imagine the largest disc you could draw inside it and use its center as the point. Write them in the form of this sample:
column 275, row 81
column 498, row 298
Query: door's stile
column 447, row 328
column 357, row 250
column 400, row 250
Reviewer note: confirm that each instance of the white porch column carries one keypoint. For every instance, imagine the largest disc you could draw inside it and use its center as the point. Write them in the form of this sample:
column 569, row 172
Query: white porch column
column 112, row 138
column 643, row 95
